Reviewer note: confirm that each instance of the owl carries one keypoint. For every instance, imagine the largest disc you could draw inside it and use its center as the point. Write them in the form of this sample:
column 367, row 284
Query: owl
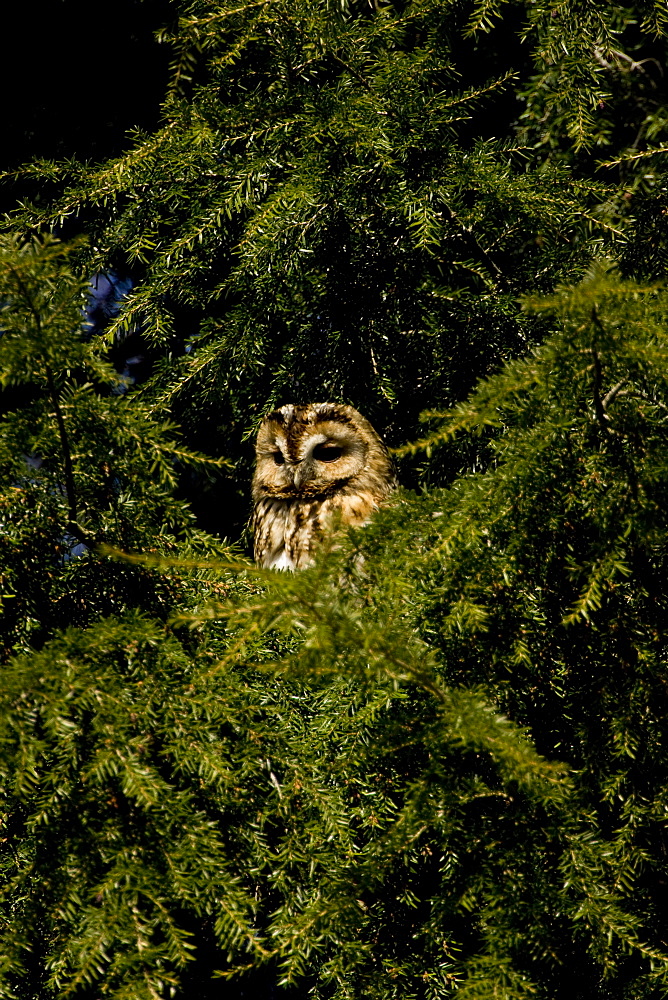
column 312, row 461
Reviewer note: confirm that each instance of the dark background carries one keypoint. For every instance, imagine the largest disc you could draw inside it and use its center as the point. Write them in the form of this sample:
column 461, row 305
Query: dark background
column 75, row 79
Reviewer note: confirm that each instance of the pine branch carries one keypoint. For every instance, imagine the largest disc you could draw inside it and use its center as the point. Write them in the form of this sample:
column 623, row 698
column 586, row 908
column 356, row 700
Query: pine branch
column 73, row 525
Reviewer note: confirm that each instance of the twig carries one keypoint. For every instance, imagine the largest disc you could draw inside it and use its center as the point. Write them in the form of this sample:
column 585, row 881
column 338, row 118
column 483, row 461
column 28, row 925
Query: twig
column 351, row 69
column 611, row 396
column 73, row 525
column 599, row 408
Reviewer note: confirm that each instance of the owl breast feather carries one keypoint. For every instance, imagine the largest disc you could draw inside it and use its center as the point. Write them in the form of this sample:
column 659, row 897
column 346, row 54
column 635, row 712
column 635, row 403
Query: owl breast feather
column 287, row 532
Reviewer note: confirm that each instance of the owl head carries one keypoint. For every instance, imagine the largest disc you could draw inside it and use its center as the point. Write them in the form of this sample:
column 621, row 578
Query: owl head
column 318, row 450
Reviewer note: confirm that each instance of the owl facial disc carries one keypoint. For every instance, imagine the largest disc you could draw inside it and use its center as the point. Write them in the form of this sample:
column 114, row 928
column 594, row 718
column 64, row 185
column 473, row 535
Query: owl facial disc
column 310, row 461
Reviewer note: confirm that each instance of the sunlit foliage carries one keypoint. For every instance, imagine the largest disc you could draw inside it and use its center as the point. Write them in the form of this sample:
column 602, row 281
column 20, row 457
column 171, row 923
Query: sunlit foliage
column 435, row 764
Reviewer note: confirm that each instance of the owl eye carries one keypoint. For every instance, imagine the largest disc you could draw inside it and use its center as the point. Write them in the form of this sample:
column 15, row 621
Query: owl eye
column 327, row 453
column 278, row 458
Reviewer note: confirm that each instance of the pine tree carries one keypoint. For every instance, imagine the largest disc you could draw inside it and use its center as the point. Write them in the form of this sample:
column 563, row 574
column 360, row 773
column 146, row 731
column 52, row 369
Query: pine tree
column 433, row 765
column 338, row 205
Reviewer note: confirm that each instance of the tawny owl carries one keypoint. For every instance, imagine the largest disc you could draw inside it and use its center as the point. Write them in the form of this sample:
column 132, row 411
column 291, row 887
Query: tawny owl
column 310, row 462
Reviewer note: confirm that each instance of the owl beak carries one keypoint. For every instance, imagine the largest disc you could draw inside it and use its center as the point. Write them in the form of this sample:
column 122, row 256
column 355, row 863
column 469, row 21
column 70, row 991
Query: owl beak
column 298, row 474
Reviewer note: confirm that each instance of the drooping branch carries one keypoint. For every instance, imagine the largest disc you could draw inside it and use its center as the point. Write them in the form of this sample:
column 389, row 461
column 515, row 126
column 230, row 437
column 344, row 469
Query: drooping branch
column 73, row 525
column 599, row 406
column 599, row 409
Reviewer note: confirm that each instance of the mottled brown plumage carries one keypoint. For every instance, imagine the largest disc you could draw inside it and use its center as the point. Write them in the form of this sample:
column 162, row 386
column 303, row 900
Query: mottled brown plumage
column 312, row 461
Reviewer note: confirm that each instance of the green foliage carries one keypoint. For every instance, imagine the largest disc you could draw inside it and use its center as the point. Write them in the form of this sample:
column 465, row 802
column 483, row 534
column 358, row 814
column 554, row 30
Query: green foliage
column 435, row 763
column 314, row 776
column 160, row 791
column 338, row 207
column 542, row 578
column 598, row 74
column 82, row 463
